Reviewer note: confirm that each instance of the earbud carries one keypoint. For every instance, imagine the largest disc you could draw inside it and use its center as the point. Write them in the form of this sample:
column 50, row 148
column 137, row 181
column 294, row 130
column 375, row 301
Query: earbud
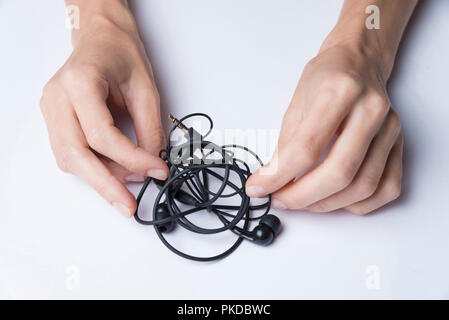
column 268, row 228
column 265, row 232
column 262, row 235
column 163, row 213
column 273, row 222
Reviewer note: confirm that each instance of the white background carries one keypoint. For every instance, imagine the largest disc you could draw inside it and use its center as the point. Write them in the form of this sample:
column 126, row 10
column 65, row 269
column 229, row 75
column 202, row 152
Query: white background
column 238, row 61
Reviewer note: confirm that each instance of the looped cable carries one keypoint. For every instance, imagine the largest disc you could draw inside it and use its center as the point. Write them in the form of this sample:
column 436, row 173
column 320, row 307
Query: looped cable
column 188, row 183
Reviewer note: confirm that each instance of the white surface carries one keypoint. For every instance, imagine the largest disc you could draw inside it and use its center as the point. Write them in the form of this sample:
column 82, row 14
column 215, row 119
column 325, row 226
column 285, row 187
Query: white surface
column 221, row 57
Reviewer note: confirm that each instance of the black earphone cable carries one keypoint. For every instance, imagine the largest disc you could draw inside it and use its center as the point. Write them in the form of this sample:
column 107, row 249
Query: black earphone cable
column 193, row 173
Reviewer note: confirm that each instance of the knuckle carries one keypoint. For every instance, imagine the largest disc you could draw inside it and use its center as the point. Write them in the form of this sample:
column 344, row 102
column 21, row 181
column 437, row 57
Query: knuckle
column 70, row 75
column 50, row 87
column 309, row 151
column 42, row 105
column 83, row 78
column 349, row 83
column 395, row 121
column 155, row 98
column 378, row 106
column 392, row 189
column 130, row 163
column 151, row 96
column 64, row 158
column 62, row 165
column 293, row 204
column 320, row 206
column 358, row 210
column 367, row 186
column 270, row 173
column 311, row 65
column 343, row 173
column 145, row 86
column 342, row 179
column 343, row 84
column 97, row 137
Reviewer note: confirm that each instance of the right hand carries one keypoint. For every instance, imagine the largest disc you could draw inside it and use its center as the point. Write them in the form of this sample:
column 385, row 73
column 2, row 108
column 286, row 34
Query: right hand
column 108, row 65
column 342, row 94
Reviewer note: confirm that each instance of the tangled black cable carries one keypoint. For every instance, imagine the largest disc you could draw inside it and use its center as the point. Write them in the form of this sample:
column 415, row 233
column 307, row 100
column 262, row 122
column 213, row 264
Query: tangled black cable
column 191, row 165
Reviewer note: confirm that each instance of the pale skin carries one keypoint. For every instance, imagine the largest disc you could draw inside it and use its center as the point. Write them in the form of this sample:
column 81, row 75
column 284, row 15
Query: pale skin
column 342, row 93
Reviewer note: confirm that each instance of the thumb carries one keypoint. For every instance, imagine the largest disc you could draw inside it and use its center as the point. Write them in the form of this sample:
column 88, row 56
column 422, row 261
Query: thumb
column 283, row 167
column 296, row 152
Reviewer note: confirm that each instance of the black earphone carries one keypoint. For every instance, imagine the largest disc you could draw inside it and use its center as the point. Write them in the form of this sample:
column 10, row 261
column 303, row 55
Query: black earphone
column 188, row 184
column 264, row 233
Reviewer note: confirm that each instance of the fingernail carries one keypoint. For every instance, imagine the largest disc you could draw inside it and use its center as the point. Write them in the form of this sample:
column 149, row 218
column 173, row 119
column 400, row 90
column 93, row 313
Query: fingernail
column 157, row 174
column 124, row 210
column 278, row 204
column 135, row 177
column 255, row 191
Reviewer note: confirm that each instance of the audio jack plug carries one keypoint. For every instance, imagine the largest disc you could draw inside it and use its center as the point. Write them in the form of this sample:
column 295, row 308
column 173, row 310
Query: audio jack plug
column 196, row 142
column 178, row 123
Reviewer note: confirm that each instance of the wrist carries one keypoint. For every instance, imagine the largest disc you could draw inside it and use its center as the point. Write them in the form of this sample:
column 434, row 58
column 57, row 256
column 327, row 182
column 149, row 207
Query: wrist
column 364, row 44
column 102, row 16
column 379, row 44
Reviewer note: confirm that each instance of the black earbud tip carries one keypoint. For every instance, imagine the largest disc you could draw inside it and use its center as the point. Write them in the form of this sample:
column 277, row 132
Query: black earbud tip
column 272, row 222
column 162, row 213
column 263, row 235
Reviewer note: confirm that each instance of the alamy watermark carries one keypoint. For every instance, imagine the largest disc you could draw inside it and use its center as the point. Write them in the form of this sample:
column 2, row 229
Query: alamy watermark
column 262, row 141
column 73, row 17
column 373, row 20
column 73, row 278
column 372, row 280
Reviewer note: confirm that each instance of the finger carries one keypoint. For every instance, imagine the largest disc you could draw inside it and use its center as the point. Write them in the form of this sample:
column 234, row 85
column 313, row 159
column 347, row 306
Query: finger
column 367, row 178
column 73, row 155
column 341, row 164
column 62, row 125
column 389, row 187
column 142, row 101
column 101, row 134
column 303, row 139
column 121, row 173
column 87, row 166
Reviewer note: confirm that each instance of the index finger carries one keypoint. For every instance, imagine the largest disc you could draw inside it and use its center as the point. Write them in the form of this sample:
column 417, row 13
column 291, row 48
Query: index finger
column 101, row 134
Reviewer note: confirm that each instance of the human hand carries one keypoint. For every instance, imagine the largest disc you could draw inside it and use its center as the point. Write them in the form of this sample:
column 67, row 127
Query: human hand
column 108, row 66
column 341, row 92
